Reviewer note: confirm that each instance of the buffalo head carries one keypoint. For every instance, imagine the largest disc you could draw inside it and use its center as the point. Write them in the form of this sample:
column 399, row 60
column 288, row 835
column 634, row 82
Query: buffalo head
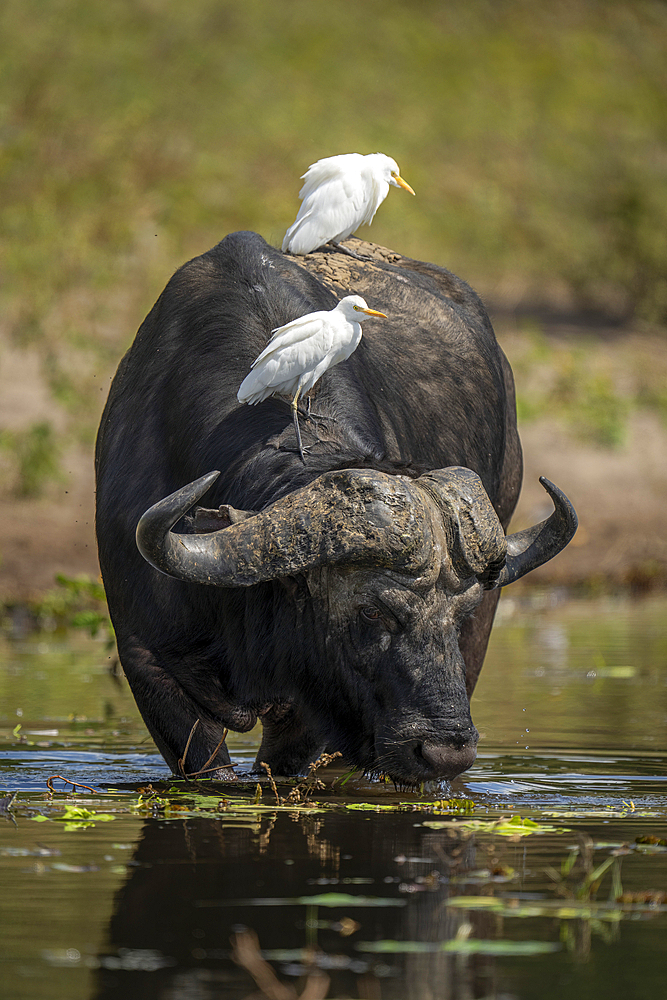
column 383, row 570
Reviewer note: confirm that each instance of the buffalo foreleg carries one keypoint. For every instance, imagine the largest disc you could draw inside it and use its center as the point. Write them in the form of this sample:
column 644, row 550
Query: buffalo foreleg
column 190, row 737
column 288, row 744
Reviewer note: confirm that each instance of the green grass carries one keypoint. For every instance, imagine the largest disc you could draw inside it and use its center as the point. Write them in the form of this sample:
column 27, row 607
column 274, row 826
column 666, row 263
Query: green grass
column 73, row 603
column 135, row 135
column 582, row 385
column 590, row 386
column 33, row 459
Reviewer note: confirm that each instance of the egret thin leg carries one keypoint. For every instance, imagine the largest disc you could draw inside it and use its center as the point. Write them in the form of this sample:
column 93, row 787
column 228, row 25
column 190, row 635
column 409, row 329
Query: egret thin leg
column 310, row 414
column 351, row 253
column 295, row 414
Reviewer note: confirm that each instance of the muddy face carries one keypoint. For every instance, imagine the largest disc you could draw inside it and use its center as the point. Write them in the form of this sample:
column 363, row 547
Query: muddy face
column 395, row 695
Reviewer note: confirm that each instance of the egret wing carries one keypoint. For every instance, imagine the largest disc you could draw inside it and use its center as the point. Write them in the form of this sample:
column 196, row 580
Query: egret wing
column 315, row 227
column 266, row 379
column 329, row 168
column 300, row 330
column 331, row 212
column 334, row 193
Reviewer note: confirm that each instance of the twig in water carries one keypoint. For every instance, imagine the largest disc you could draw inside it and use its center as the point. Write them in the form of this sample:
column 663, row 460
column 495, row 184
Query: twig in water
column 181, row 761
column 246, row 953
column 205, row 769
column 68, row 781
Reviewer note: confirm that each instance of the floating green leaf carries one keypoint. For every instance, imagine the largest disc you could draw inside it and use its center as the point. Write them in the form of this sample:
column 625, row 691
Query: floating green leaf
column 345, row 899
column 79, row 814
column 515, row 826
column 468, row 946
column 328, row 899
column 76, row 818
column 570, row 910
column 605, row 814
column 371, row 807
column 436, row 806
column 475, row 946
column 389, row 947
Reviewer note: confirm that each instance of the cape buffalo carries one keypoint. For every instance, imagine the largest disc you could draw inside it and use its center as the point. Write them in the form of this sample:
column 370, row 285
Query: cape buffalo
column 345, row 601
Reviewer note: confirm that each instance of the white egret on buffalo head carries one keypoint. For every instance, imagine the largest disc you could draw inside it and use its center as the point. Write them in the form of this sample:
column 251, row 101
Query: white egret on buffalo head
column 340, row 194
column 300, row 352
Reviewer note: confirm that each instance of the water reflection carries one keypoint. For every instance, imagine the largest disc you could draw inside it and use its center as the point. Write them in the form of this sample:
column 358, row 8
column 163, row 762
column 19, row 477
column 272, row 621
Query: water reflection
column 366, row 900
column 197, row 883
column 584, row 675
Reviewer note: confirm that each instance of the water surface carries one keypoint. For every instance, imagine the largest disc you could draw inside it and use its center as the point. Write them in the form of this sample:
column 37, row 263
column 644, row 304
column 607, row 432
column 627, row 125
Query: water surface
column 366, row 887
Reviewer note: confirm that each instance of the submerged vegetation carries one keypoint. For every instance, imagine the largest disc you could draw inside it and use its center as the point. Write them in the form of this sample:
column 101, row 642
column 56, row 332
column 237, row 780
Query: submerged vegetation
column 585, row 886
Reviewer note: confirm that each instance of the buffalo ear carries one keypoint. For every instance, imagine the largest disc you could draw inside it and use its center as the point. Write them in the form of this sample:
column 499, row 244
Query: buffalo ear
column 295, row 587
column 476, row 541
column 204, row 520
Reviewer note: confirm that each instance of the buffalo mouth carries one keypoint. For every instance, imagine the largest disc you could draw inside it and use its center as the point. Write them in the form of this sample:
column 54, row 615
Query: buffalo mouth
column 426, row 756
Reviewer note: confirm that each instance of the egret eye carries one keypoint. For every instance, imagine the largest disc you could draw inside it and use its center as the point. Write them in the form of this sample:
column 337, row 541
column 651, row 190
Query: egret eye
column 371, row 615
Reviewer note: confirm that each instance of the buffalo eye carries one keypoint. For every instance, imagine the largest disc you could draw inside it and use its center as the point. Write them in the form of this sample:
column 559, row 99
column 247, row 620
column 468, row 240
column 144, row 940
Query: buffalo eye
column 370, row 615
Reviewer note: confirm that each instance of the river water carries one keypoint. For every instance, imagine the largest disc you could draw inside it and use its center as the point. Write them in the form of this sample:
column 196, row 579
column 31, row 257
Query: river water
column 541, row 873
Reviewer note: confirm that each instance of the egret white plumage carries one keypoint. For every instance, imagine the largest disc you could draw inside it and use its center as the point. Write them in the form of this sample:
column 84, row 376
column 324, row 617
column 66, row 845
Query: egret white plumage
column 300, row 352
column 340, row 194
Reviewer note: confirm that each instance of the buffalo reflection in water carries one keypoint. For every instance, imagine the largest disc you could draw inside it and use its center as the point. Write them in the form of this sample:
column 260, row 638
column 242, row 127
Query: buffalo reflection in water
column 195, row 884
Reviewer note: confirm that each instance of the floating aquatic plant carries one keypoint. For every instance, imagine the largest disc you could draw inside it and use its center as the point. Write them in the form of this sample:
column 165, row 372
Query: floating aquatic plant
column 515, row 826
column 76, row 818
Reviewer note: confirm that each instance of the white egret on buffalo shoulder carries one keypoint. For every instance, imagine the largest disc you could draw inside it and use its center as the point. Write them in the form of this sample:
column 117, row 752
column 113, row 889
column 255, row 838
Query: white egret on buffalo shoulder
column 300, row 352
column 340, row 194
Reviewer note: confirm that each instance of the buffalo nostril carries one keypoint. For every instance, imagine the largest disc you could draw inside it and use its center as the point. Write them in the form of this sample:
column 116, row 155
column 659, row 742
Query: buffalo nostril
column 446, row 761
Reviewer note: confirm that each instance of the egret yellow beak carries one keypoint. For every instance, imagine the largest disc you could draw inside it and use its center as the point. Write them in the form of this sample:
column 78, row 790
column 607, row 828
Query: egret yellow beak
column 403, row 184
column 372, row 312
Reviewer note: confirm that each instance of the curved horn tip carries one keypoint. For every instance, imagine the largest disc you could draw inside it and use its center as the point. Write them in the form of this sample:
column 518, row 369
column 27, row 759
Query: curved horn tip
column 190, row 493
column 532, row 547
column 562, row 503
column 205, row 481
column 182, row 499
column 159, row 518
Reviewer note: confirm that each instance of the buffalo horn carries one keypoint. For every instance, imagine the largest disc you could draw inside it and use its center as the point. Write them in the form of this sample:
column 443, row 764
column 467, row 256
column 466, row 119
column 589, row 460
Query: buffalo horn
column 530, row 548
column 354, row 516
column 350, row 515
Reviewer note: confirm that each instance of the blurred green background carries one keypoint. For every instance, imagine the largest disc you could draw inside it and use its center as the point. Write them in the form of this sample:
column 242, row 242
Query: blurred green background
column 534, row 134
column 135, row 134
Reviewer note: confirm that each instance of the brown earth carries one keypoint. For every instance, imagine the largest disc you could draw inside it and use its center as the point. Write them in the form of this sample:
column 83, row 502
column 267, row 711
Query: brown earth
column 619, row 492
